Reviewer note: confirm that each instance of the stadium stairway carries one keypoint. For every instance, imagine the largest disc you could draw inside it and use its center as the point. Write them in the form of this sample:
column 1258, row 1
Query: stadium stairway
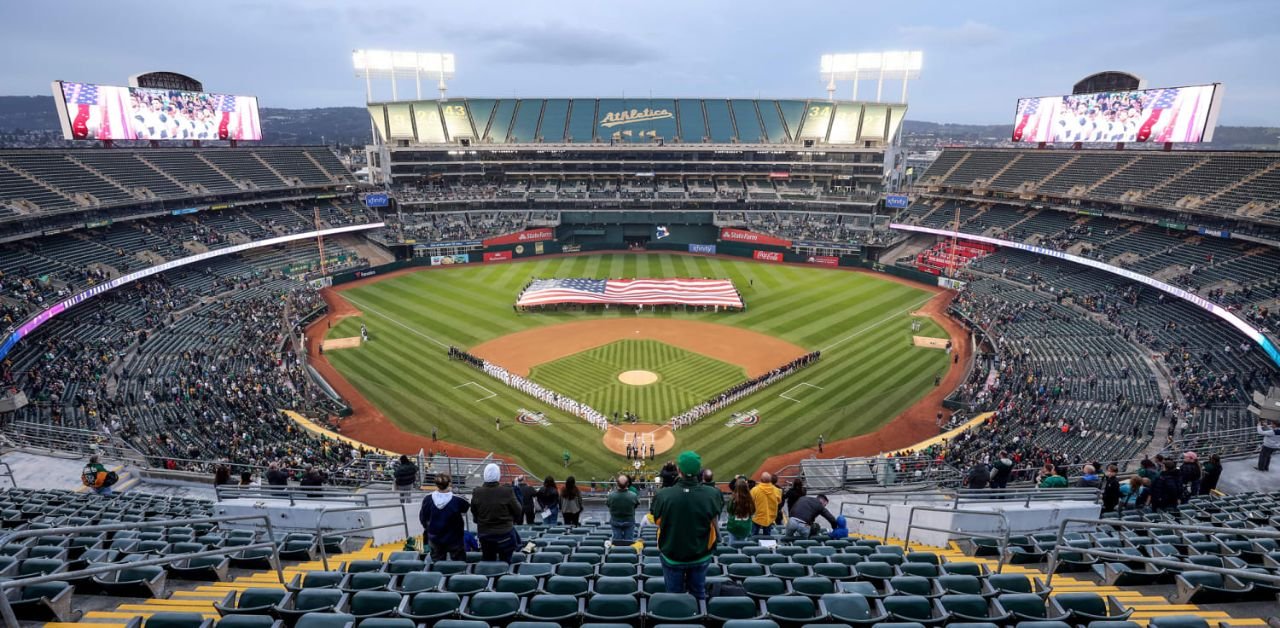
column 201, row 598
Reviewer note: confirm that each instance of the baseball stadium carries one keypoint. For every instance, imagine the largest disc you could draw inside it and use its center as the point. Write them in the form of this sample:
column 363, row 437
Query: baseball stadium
column 1032, row 385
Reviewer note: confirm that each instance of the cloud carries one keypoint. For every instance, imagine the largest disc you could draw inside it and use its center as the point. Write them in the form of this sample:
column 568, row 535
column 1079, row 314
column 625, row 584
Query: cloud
column 559, row 44
column 969, row 34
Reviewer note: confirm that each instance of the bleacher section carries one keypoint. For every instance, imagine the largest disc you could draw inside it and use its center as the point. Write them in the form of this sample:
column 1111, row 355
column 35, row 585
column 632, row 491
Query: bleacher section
column 1225, row 184
column 573, row 576
column 96, row 178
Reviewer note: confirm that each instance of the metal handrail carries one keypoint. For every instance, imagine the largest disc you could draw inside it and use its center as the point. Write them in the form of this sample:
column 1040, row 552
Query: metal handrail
column 6, row 609
column 324, row 555
column 8, row 473
column 859, row 516
column 983, row 495
column 292, row 493
column 1001, row 538
column 1059, row 547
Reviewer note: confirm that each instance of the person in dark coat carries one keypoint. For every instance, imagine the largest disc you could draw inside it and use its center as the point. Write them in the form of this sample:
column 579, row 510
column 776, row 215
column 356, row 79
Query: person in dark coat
column 525, row 495
column 791, row 496
column 1166, row 490
column 979, row 475
column 406, row 474
column 1212, row 472
column 1191, row 473
column 442, row 524
column 277, row 476
column 1110, row 489
column 1003, row 467
column 496, row 510
column 668, row 475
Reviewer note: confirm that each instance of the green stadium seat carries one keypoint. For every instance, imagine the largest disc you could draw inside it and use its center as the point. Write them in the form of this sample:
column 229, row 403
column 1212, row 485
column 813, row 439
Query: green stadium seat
column 924, row 570
column 460, row 623
column 490, row 568
column 1084, row 607
column 171, row 620
column 1016, row 583
column 620, row 570
column 366, row 604
column 750, row 623
column 972, row 608
column 466, row 584
column 325, row 620
column 367, row 581
column 1028, row 607
column 418, row 581
column 397, row 567
column 304, row 601
column 853, row 609
column 491, row 608
column 628, row 609
column 552, row 608
column 429, row 606
column 1206, row 587
column 515, row 583
column 616, row 586
column 788, row 571
column 449, row 567
column 579, row 570
column 674, row 608
column 44, row 601
column 794, row 609
column 912, row 585
column 914, row 608
column 813, row 586
column 249, row 621
column 254, row 601
column 566, row 585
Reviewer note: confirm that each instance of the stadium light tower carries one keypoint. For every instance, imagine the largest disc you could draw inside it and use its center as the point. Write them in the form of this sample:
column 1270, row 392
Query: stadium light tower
column 394, row 65
column 901, row 65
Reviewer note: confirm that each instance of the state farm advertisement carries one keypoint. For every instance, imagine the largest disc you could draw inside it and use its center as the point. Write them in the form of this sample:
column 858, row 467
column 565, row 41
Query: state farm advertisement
column 497, row 256
column 767, row 256
column 828, row 260
column 532, row 235
column 742, row 235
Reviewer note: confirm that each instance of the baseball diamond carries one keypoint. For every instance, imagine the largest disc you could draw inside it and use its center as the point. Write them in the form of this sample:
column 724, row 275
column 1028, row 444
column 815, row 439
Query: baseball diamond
column 870, row 370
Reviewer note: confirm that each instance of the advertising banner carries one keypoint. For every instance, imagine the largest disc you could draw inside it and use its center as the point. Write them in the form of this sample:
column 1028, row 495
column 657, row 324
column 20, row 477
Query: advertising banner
column 895, row 201
column 497, row 256
column 532, row 235
column 375, row 200
column 1214, row 232
column 826, row 260
column 767, row 256
column 742, row 235
column 571, row 248
column 449, row 260
column 1171, row 114
column 950, row 284
column 709, row 249
column 185, row 210
column 108, row 112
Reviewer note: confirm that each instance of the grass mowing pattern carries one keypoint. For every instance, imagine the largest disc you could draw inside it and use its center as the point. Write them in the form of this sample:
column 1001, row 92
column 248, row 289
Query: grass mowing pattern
column 685, row 378
column 869, row 371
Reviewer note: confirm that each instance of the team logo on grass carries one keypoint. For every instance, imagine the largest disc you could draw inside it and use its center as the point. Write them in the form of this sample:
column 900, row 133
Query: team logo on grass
column 529, row 417
column 750, row 418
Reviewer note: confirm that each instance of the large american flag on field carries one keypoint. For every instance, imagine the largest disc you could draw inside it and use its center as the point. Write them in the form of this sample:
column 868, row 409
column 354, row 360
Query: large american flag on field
column 631, row 292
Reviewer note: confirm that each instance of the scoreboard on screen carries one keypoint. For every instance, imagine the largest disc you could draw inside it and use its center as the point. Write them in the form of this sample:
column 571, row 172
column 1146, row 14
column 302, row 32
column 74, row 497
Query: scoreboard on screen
column 89, row 111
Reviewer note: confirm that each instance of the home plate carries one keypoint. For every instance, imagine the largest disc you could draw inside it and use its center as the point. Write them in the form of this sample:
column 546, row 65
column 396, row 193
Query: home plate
column 930, row 343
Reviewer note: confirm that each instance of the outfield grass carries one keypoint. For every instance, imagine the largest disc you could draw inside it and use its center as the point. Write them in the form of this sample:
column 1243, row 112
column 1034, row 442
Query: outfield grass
column 869, row 371
column 686, row 379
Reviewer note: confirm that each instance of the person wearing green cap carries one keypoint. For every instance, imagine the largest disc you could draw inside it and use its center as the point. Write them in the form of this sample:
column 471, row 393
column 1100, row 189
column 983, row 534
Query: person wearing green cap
column 686, row 515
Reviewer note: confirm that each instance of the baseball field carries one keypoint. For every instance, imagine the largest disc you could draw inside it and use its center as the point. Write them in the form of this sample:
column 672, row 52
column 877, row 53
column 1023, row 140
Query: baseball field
column 651, row 364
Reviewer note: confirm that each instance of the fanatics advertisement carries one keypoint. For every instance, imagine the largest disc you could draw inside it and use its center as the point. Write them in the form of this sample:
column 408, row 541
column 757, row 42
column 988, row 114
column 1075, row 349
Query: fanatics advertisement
column 497, row 256
column 449, row 260
column 1173, row 114
column 742, row 235
column 532, row 235
column 108, row 112
column 767, row 256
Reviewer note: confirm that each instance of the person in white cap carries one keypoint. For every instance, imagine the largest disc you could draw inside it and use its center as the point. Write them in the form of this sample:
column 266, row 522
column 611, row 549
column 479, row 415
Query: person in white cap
column 496, row 511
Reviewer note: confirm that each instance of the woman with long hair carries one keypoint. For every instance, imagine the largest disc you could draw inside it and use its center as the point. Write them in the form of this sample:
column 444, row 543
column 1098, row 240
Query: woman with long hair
column 549, row 501
column 741, row 509
column 571, row 502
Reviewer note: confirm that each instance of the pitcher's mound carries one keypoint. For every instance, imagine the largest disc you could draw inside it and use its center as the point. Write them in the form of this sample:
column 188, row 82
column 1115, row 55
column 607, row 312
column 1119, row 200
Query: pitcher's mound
column 637, row 378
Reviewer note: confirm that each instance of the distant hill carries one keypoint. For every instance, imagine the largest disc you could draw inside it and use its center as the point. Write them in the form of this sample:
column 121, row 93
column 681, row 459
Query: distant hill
column 33, row 121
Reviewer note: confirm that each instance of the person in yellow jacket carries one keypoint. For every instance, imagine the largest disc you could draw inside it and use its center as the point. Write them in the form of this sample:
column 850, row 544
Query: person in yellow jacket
column 767, row 497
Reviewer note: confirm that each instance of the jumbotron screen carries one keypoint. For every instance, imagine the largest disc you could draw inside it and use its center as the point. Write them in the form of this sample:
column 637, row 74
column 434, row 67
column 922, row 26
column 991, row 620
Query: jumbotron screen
column 1170, row 114
column 108, row 112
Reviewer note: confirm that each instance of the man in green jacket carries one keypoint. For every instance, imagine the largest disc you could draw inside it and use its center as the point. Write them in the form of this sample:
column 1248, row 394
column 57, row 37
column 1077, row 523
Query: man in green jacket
column 622, row 502
column 686, row 516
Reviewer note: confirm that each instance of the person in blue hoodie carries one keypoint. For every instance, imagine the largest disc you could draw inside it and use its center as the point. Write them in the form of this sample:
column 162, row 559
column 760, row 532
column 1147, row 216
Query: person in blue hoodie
column 841, row 530
column 442, row 522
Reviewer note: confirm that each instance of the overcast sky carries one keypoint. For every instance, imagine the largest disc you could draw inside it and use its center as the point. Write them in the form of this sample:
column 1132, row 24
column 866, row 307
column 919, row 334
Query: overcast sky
column 979, row 56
